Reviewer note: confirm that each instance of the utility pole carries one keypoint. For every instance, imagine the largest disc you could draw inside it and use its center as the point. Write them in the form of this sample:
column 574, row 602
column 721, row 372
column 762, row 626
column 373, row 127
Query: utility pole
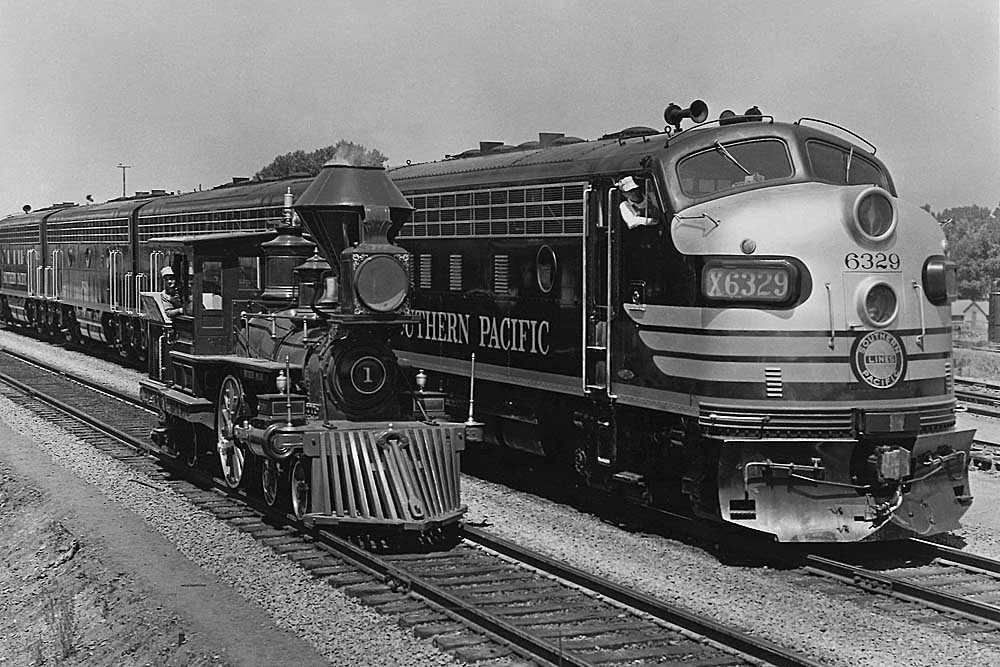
column 123, row 167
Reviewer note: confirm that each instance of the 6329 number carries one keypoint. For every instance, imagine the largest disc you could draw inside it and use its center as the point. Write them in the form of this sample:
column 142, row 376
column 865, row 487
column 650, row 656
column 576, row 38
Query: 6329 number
column 871, row 261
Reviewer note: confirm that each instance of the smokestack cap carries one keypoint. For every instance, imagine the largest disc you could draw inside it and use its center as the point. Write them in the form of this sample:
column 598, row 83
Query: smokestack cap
column 340, row 185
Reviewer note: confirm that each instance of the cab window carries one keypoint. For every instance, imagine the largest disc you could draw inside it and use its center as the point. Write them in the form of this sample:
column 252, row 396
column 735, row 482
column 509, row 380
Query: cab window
column 842, row 166
column 734, row 164
column 211, row 285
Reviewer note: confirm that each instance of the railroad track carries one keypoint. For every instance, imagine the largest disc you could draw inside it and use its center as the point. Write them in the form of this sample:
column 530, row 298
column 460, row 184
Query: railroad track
column 963, row 588
column 981, row 398
column 482, row 598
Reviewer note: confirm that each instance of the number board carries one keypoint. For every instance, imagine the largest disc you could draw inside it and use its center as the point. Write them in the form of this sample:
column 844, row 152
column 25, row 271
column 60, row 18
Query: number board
column 368, row 375
column 872, row 261
column 761, row 282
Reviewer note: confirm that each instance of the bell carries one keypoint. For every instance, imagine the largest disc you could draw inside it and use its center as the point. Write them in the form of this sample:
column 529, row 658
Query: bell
column 330, row 301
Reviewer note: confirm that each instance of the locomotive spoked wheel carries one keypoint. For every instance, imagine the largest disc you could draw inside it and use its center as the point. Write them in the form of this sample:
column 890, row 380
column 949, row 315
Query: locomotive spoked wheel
column 300, row 487
column 270, row 476
column 231, row 456
column 581, row 466
column 195, row 445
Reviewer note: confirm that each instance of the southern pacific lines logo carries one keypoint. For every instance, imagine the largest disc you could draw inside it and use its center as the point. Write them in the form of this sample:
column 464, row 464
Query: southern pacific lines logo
column 878, row 359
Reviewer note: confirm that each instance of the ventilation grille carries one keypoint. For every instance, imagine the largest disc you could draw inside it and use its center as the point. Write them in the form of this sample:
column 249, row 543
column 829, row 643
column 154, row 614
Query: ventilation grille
column 538, row 210
column 455, row 273
column 425, row 271
column 501, row 275
column 778, row 422
column 773, row 383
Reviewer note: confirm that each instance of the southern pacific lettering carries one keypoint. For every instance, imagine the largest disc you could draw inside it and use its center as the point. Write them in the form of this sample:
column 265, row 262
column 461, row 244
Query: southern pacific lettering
column 497, row 333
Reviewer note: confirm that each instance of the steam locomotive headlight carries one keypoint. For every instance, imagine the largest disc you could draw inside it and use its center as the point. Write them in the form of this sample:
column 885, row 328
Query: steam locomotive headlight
column 381, row 283
column 940, row 280
column 874, row 214
column 880, row 304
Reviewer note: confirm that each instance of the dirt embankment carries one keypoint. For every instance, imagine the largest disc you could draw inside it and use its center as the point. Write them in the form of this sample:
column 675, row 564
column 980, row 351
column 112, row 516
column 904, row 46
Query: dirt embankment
column 63, row 605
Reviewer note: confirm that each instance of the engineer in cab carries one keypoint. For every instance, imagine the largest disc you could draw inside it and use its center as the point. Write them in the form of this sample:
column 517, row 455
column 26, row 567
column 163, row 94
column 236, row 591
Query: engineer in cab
column 170, row 298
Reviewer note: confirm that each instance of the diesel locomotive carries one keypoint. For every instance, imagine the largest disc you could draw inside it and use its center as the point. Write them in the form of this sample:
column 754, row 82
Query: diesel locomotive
column 739, row 316
column 265, row 329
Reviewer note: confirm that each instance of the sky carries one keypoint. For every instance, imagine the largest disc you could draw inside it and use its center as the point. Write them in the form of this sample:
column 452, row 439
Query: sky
column 191, row 95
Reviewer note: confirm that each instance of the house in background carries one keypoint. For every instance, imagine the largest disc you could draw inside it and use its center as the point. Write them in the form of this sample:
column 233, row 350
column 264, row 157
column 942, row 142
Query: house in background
column 970, row 319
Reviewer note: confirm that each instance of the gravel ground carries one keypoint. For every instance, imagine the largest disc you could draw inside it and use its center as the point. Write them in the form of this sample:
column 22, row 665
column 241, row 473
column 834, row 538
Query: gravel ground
column 766, row 602
column 342, row 630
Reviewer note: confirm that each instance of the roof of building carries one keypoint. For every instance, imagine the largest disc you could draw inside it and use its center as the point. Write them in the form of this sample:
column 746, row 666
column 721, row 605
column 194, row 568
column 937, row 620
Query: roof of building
column 961, row 306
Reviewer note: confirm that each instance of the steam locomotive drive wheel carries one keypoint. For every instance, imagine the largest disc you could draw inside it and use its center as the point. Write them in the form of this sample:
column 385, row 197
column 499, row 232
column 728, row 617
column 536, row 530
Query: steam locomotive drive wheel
column 229, row 411
column 270, row 474
column 300, row 487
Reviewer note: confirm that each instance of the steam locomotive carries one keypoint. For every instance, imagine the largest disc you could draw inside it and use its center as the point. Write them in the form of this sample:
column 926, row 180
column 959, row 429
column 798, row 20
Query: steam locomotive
column 267, row 345
column 739, row 316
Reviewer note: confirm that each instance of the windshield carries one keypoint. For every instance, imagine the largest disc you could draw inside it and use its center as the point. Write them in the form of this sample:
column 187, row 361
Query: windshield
column 842, row 165
column 729, row 165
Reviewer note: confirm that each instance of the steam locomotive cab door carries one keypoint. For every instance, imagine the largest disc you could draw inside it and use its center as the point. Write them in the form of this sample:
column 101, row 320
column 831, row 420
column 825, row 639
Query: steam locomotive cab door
column 214, row 278
column 598, row 313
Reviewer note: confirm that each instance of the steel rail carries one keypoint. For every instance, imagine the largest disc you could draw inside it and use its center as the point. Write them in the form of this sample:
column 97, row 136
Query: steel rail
column 92, row 384
column 955, row 555
column 752, row 646
column 900, row 588
column 75, row 412
column 493, row 624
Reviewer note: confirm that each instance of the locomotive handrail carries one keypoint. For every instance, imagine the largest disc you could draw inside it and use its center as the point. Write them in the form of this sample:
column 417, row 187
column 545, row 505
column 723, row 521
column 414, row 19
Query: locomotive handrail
column 585, row 291
column 741, row 118
column 128, row 293
column 608, row 294
column 839, row 127
column 155, row 264
column 923, row 325
column 30, row 278
column 55, row 273
column 139, row 278
column 113, row 291
column 829, row 308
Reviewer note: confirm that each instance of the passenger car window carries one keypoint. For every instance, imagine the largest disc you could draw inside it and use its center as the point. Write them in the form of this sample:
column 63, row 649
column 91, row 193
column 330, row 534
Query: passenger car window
column 729, row 165
column 836, row 164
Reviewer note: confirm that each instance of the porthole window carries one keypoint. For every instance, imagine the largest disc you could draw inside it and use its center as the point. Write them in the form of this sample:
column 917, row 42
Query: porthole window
column 546, row 267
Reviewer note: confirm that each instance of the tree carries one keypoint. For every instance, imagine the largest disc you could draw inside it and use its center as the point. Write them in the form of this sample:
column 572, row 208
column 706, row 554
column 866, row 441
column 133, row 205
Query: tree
column 300, row 162
column 974, row 244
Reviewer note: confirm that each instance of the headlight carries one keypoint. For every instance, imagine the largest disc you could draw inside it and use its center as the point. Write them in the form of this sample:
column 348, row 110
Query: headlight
column 940, row 280
column 381, row 283
column 880, row 304
column 874, row 214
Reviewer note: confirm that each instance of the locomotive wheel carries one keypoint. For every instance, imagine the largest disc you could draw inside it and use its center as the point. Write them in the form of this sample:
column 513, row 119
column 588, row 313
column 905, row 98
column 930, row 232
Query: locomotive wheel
column 270, row 476
column 300, row 487
column 232, row 458
column 195, row 447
